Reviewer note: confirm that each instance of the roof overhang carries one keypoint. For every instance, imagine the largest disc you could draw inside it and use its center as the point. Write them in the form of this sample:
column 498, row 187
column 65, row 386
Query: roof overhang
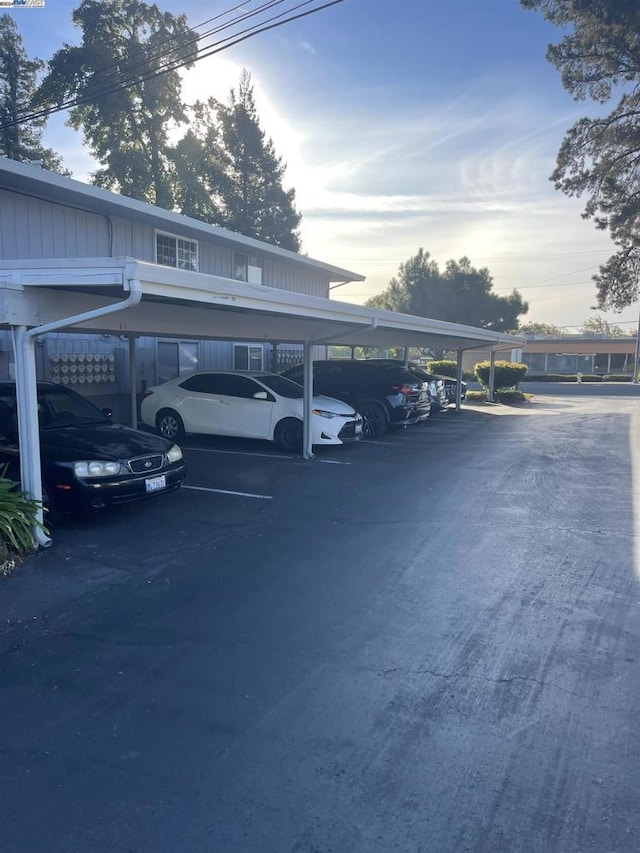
column 187, row 304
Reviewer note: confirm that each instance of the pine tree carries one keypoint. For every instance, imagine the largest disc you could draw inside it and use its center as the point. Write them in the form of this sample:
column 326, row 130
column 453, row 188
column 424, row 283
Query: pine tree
column 254, row 201
column 18, row 82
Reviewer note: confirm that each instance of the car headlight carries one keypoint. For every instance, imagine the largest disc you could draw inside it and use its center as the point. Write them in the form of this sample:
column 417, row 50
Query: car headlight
column 175, row 454
column 324, row 414
column 95, row 468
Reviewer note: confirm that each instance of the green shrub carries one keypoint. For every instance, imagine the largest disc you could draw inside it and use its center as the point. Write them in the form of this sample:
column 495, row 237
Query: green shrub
column 476, row 396
column 617, row 377
column 445, row 367
column 17, row 520
column 507, row 373
column 510, row 395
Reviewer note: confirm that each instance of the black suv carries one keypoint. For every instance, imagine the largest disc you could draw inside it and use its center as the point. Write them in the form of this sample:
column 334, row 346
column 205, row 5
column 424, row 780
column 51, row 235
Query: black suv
column 386, row 395
column 438, row 391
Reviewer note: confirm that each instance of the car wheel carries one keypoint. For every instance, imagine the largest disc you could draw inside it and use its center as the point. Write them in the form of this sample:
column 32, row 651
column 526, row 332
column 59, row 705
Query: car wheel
column 51, row 512
column 374, row 420
column 169, row 424
column 288, row 435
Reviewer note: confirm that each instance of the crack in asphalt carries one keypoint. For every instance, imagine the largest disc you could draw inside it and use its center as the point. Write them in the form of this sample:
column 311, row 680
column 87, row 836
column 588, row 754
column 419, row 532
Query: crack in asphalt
column 509, row 680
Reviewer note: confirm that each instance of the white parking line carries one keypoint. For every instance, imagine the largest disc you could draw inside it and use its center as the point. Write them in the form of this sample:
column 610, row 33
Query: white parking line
column 238, row 452
column 227, row 492
column 333, row 462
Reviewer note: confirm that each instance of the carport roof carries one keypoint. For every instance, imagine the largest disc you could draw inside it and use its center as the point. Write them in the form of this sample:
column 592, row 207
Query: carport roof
column 176, row 303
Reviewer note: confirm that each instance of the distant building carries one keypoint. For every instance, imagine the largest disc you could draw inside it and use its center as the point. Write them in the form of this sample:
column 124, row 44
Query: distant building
column 568, row 354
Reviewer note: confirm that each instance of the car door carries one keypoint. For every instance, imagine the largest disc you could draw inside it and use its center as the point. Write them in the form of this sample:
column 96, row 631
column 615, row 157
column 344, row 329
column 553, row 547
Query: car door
column 200, row 401
column 241, row 413
column 332, row 379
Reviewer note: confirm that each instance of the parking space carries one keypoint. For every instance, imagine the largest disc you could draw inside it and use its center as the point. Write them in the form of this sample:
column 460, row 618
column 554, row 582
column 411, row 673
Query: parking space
column 254, row 469
column 443, row 615
column 234, row 485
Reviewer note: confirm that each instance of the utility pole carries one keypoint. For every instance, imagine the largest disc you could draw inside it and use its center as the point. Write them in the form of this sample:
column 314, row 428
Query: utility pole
column 637, row 355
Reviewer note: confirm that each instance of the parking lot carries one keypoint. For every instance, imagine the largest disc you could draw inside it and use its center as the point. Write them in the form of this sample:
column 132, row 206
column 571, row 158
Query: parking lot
column 427, row 642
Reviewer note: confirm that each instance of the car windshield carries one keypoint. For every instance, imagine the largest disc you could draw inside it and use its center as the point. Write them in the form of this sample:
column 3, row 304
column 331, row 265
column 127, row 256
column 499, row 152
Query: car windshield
column 282, row 386
column 60, row 407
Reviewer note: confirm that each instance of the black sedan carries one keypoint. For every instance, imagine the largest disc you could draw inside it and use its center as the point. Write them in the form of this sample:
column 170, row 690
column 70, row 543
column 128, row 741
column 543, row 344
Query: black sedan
column 88, row 462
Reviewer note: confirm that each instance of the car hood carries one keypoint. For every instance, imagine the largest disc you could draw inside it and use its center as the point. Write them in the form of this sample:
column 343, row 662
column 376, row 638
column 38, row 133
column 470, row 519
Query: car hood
column 330, row 404
column 102, row 441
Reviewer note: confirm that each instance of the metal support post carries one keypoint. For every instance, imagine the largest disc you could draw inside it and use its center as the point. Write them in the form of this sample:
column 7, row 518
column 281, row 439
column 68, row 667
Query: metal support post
column 133, row 381
column 492, row 377
column 307, row 444
column 459, row 380
column 637, row 355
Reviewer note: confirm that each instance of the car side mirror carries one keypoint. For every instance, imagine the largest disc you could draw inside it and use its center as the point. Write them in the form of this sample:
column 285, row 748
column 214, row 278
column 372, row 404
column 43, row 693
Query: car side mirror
column 108, row 413
column 261, row 395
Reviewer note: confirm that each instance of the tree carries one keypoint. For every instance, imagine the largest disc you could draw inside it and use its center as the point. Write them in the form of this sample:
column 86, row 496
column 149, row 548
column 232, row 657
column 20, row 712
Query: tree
column 129, row 108
column 251, row 198
column 18, row 81
column 461, row 294
column 198, row 172
column 600, row 157
column 597, row 325
column 546, row 329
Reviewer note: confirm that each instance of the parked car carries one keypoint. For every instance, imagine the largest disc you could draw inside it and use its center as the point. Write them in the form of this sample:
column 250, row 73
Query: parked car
column 88, row 462
column 450, row 387
column 386, row 396
column 435, row 384
column 247, row 404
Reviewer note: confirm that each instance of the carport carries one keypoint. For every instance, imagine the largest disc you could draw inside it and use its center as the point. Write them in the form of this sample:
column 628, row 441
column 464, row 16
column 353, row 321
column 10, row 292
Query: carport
column 134, row 298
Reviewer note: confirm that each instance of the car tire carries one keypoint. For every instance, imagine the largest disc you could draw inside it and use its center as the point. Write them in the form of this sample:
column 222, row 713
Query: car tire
column 288, row 435
column 375, row 420
column 169, row 424
column 51, row 513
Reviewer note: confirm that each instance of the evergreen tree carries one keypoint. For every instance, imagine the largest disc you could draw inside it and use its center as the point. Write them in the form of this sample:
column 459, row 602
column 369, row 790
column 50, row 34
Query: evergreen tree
column 253, row 200
column 460, row 294
column 128, row 110
column 18, row 81
column 599, row 58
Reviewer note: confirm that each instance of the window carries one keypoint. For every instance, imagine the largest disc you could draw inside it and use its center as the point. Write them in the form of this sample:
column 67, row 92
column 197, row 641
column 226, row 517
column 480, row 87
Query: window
column 242, row 386
column 204, row 383
column 172, row 251
column 246, row 268
column 616, row 365
column 535, row 361
column 175, row 358
column 240, row 267
column 248, row 357
column 585, row 364
column 601, row 362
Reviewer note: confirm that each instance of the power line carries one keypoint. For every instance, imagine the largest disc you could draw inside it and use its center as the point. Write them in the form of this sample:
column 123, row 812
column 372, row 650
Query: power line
column 172, row 44
column 172, row 65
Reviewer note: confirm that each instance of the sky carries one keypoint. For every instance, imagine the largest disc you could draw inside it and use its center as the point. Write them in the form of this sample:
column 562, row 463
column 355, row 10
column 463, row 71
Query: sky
column 404, row 124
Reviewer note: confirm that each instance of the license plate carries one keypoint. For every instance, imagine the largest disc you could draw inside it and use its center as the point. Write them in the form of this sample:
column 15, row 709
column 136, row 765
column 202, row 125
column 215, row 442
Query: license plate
column 154, row 484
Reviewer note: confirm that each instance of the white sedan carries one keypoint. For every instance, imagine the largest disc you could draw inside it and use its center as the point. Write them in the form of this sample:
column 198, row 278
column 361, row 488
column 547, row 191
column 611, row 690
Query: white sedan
column 248, row 405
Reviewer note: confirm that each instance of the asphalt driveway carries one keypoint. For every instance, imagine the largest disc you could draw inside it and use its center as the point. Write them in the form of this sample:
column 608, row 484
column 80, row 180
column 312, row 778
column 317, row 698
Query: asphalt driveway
column 428, row 643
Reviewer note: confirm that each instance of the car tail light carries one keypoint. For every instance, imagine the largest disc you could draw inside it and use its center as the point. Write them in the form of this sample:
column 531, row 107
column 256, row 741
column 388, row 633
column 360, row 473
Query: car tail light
column 147, row 394
column 401, row 389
